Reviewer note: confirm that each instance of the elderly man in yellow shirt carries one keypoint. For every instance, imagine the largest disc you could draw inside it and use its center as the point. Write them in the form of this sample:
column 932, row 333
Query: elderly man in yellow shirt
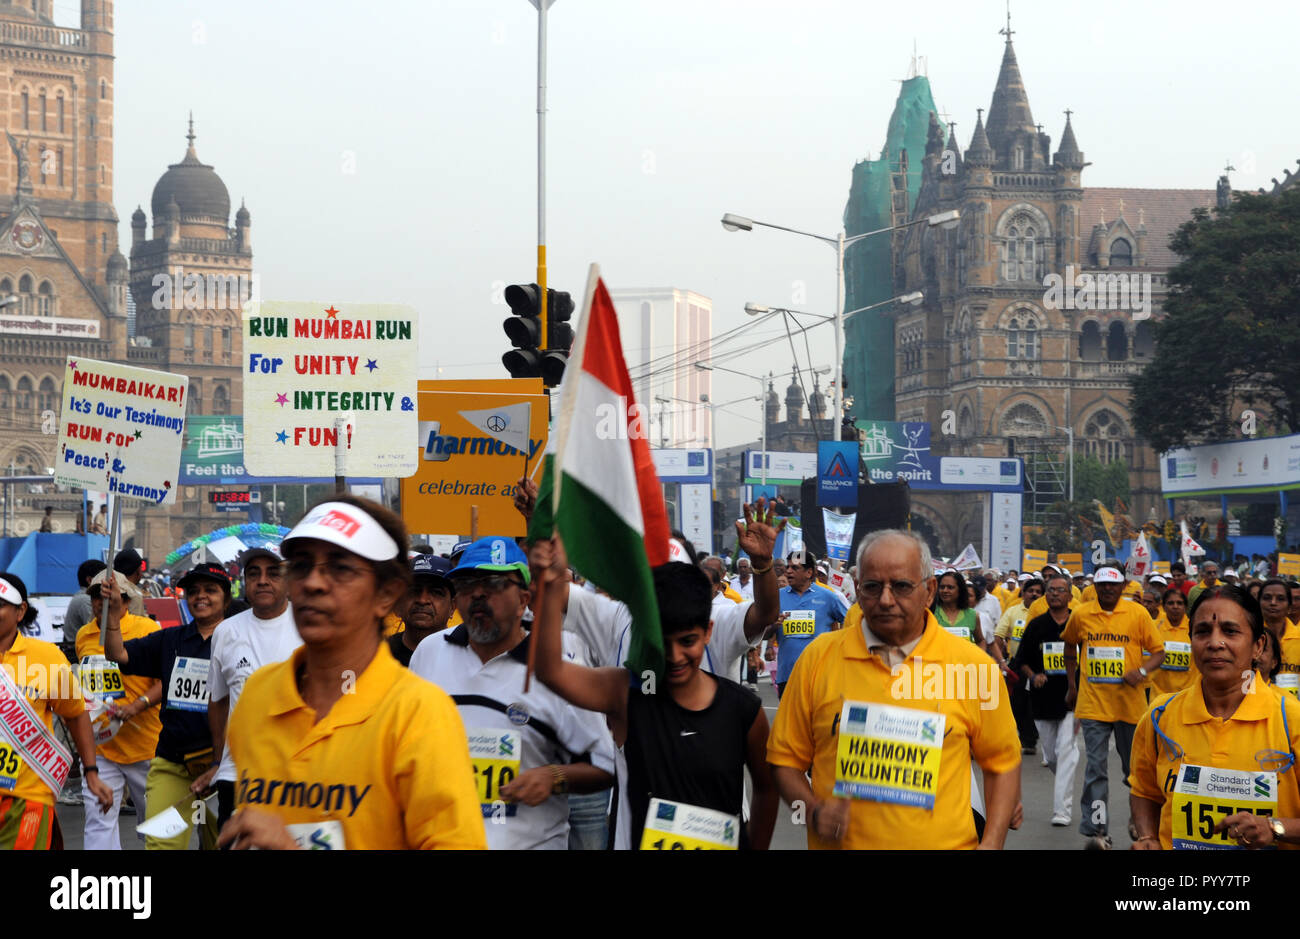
column 1111, row 634
column 858, row 692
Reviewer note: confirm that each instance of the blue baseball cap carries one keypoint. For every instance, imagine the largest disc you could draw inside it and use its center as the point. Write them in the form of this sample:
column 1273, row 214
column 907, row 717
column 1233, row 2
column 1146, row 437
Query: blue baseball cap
column 493, row 553
column 430, row 565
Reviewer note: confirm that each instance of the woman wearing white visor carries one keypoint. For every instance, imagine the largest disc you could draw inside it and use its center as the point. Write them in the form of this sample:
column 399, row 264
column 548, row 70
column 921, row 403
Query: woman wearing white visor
column 341, row 747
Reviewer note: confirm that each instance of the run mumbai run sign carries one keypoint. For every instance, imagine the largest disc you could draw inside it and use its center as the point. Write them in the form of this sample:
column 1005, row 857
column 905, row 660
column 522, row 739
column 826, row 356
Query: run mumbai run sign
column 121, row 430
column 327, row 379
column 474, row 437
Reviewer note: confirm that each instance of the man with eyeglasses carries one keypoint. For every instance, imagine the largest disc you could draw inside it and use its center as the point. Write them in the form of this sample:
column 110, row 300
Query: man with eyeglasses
column 529, row 750
column 888, row 739
column 810, row 610
column 261, row 635
column 1040, row 660
column 1209, row 578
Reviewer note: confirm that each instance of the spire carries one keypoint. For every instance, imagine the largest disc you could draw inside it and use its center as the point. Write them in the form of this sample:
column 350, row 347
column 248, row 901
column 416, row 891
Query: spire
column 952, row 139
column 1069, row 154
column 191, row 155
column 1009, row 113
column 979, row 153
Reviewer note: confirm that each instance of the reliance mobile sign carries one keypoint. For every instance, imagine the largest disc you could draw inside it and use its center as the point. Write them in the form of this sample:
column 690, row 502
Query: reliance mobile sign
column 1264, row 465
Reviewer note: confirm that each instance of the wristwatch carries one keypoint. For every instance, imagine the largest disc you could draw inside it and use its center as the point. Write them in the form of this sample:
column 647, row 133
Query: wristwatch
column 561, row 783
column 1142, row 670
column 1279, row 830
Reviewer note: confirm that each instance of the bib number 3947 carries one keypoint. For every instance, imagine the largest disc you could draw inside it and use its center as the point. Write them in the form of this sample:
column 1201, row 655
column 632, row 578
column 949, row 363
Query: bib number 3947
column 187, row 689
column 1203, row 796
column 676, row 826
column 889, row 754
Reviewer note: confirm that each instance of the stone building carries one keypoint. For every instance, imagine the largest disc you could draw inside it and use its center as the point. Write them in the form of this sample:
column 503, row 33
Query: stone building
column 996, row 360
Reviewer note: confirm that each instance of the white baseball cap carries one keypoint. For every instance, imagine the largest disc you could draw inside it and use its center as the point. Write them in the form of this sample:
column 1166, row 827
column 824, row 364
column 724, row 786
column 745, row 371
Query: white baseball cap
column 1024, row 577
column 1107, row 575
column 348, row 527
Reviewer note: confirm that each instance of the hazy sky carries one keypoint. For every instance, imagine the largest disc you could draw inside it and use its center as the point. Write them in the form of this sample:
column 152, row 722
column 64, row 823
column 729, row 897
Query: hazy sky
column 662, row 116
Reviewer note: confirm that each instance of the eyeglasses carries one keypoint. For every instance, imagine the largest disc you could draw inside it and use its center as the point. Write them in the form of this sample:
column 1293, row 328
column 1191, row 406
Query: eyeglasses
column 491, row 583
column 872, row 589
column 336, row 570
column 1058, row 589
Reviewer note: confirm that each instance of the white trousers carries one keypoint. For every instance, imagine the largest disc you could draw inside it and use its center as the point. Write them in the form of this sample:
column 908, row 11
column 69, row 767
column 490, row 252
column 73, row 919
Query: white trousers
column 101, row 827
column 1060, row 746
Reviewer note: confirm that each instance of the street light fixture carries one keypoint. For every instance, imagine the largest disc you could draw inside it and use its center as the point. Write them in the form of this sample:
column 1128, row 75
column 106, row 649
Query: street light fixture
column 946, row 220
column 9, row 300
column 762, row 410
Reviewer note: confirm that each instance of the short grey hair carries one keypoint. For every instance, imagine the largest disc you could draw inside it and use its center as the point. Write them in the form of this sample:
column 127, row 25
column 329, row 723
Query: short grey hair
column 927, row 566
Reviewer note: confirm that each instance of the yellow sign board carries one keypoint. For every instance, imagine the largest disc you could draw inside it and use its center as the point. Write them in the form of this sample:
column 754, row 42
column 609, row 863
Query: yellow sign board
column 1034, row 560
column 1071, row 562
column 476, row 439
column 1288, row 565
column 1160, row 567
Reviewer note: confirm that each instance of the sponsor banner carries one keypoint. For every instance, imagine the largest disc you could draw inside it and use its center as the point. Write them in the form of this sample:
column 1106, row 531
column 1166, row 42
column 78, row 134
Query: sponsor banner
column 1270, row 463
column 48, row 326
column 121, row 429
column 837, row 473
column 1004, row 534
column 1033, row 561
column 839, row 534
column 894, row 451
column 784, row 468
column 1074, row 562
column 695, row 505
column 463, row 460
column 683, row 466
column 1288, row 565
column 308, row 365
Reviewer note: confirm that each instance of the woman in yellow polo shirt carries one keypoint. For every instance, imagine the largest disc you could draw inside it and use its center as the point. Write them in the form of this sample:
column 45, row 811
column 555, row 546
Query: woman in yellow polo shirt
column 340, row 746
column 1178, row 668
column 1186, row 793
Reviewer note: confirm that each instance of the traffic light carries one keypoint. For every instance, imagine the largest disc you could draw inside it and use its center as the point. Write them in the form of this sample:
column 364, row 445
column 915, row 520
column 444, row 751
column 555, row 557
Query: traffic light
column 559, row 338
column 524, row 329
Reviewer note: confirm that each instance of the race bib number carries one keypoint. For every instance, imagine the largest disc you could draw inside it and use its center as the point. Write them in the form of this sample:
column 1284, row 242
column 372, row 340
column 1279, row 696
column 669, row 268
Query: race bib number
column 1106, row 664
column 1018, row 630
column 801, row 623
column 11, row 766
column 187, row 689
column 1287, row 681
column 495, row 754
column 961, row 632
column 318, row 836
column 1203, row 796
column 1178, row 656
column 1054, row 658
column 675, row 826
column 100, row 678
column 889, row 754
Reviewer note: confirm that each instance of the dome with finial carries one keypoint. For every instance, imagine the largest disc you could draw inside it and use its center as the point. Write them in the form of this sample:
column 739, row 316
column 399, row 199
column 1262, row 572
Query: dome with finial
column 193, row 186
column 138, row 219
column 817, row 401
column 242, row 216
column 117, row 268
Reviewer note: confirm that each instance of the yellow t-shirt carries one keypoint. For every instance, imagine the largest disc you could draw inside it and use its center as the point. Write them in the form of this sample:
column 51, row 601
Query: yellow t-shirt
column 138, row 738
column 837, row 667
column 388, row 762
column 1008, row 598
column 1103, row 694
column 1039, row 606
column 44, row 676
column 1016, row 617
column 1211, row 741
column 1288, row 676
column 1168, row 678
column 730, row 593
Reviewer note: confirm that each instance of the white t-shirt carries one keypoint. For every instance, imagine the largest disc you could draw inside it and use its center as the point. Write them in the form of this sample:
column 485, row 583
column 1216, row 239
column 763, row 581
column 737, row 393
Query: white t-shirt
column 490, row 698
column 990, row 611
column 746, row 590
column 240, row 646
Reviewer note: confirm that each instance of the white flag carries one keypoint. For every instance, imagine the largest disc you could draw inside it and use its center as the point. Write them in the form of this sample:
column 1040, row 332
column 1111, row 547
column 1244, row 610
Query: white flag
column 507, row 424
column 968, row 560
column 1189, row 546
column 1139, row 562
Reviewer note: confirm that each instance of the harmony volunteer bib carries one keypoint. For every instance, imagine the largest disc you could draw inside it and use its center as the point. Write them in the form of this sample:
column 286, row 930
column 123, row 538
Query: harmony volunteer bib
column 1178, row 656
column 1105, row 664
column 676, row 826
column 889, row 754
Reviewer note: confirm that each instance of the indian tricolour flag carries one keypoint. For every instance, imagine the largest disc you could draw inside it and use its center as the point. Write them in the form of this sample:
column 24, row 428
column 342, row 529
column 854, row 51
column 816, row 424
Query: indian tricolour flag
column 606, row 498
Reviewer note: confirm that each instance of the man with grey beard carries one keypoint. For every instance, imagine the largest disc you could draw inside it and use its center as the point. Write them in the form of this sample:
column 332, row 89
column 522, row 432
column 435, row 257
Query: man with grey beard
column 529, row 750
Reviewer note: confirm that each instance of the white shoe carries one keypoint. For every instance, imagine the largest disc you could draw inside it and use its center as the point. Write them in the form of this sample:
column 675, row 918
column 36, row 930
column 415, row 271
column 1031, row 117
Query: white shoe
column 1060, row 821
column 1045, row 763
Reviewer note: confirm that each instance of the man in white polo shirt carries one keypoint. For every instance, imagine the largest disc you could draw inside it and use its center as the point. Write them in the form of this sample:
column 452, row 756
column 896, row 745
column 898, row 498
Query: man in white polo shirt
column 529, row 750
column 261, row 635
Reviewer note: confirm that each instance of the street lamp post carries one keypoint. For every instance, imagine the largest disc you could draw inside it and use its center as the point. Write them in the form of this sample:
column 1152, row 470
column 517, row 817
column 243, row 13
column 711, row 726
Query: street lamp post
column 762, row 412
column 732, row 222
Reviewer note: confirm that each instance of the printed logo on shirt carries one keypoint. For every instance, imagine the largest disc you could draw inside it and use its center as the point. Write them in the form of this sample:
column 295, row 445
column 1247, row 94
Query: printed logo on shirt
column 328, row 797
column 517, row 713
column 243, row 663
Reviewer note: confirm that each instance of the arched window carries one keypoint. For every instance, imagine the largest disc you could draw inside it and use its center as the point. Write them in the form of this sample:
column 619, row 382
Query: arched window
column 1090, row 342
column 220, row 401
column 966, row 424
column 23, row 399
column 1144, row 345
column 27, row 111
column 43, row 110
column 189, row 335
column 965, row 339
column 46, row 298
column 6, row 393
column 194, row 402
column 47, row 397
column 1116, row 343
column 1010, row 263
column 61, row 112
column 1103, row 436
column 1022, row 338
column 1121, row 253
column 1022, row 256
column 25, row 290
column 1023, row 420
